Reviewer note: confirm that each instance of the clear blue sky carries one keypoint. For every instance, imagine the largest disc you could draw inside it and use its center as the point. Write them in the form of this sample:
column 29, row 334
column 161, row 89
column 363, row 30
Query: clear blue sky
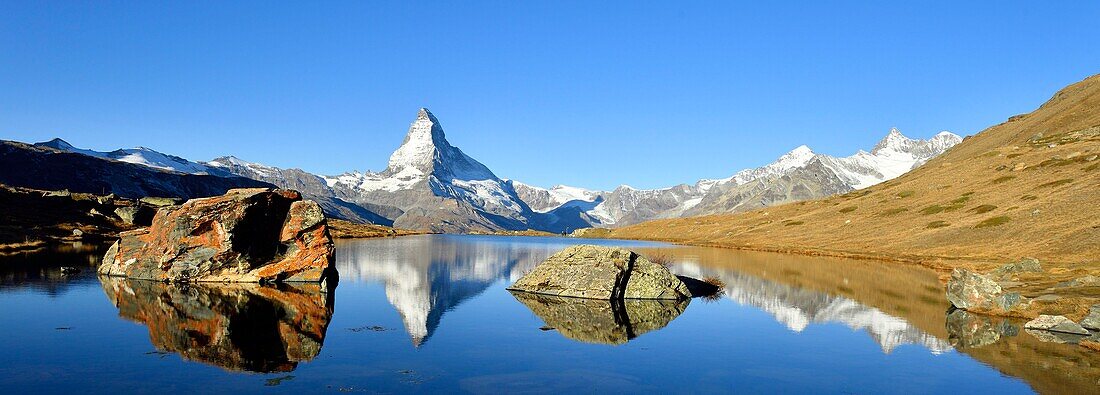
column 591, row 94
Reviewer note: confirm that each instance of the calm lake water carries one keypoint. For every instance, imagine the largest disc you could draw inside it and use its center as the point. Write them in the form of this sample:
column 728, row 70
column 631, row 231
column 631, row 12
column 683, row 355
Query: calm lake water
column 431, row 314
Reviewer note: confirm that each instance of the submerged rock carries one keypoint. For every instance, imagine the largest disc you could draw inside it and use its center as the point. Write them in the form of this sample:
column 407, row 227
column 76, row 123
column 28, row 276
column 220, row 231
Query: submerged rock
column 247, row 235
column 972, row 291
column 595, row 272
column 1056, row 323
column 601, row 321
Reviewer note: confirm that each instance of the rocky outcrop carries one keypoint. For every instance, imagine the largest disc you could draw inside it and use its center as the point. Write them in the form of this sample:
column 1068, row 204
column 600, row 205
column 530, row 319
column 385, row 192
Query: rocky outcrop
column 1092, row 320
column 602, row 321
column 595, row 272
column 29, row 215
column 1012, row 270
column 1083, row 281
column 249, row 327
column 247, row 235
column 974, row 292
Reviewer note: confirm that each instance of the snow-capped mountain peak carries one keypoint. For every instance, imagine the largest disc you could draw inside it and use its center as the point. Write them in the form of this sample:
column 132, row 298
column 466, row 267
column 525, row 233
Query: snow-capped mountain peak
column 795, row 158
column 426, row 150
column 427, row 174
column 421, row 145
column 894, row 155
column 893, row 141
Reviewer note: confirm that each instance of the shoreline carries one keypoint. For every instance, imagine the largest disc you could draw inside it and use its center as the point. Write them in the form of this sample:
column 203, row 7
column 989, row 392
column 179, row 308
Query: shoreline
column 1066, row 301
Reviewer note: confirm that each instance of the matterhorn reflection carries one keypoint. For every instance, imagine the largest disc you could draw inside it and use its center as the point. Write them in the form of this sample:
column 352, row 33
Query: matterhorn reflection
column 247, row 327
column 425, row 276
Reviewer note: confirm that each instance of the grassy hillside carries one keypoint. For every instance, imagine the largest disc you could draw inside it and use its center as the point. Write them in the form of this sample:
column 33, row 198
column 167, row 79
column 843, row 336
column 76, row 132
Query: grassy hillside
column 1027, row 187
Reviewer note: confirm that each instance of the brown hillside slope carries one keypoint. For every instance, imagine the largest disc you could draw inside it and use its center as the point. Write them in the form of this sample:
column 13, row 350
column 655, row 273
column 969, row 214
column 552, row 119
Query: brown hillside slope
column 1027, row 187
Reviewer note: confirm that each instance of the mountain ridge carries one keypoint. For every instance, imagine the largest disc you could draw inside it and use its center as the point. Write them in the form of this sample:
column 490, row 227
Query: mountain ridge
column 792, row 176
column 429, row 184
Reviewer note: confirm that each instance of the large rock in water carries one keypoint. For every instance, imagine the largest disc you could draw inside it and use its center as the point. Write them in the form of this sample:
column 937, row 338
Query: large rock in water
column 246, row 235
column 594, row 272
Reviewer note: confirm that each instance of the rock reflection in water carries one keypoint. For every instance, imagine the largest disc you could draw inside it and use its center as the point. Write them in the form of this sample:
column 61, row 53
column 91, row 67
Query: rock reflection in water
column 602, row 321
column 234, row 326
column 969, row 330
column 1043, row 359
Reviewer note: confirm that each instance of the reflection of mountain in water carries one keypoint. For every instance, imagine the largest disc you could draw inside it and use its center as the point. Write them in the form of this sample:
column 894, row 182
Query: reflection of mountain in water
column 426, row 276
column 234, row 326
column 797, row 308
column 602, row 321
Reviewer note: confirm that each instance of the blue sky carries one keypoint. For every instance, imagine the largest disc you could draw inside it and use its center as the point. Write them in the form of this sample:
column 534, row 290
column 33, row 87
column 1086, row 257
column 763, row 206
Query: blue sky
column 591, row 94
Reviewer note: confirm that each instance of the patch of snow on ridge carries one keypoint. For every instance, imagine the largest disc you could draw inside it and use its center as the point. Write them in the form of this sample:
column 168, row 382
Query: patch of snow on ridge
column 794, row 159
column 484, row 193
column 405, row 179
column 562, row 195
column 139, row 156
column 230, row 161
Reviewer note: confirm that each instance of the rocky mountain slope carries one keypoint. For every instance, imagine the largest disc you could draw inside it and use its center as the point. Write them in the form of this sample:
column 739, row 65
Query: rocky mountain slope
column 311, row 186
column 1020, row 188
column 798, row 175
column 47, row 168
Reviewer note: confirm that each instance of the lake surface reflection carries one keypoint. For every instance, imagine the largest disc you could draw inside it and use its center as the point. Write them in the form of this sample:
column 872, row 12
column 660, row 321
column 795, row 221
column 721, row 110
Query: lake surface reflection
column 431, row 314
column 234, row 326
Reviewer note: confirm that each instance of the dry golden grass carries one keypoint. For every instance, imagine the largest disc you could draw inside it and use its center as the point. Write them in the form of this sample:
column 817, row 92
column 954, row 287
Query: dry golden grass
column 1025, row 187
column 341, row 229
column 529, row 232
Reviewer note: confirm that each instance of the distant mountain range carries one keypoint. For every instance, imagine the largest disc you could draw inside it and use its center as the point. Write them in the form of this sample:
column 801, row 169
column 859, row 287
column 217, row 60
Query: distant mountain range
column 429, row 184
column 799, row 174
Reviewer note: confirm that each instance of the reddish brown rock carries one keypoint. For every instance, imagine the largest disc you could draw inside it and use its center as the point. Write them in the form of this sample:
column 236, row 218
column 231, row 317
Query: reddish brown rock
column 247, row 235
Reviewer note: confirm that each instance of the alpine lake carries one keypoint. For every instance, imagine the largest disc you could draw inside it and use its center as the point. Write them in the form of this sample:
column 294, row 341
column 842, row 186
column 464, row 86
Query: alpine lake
column 431, row 314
